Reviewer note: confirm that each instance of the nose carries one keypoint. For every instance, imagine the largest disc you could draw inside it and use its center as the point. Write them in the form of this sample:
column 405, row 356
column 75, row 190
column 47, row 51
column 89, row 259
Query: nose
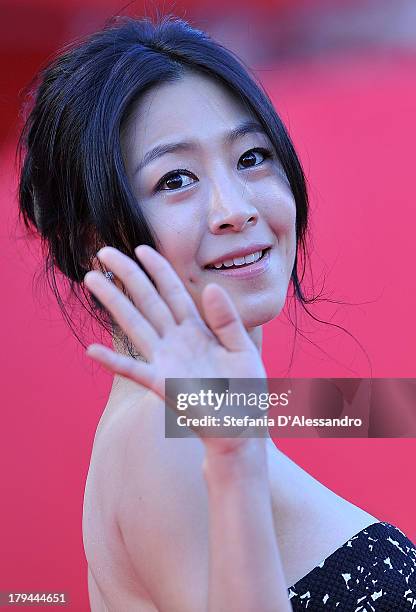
column 230, row 208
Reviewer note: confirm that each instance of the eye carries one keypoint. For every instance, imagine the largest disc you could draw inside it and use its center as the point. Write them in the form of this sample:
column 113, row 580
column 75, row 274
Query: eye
column 254, row 157
column 174, row 180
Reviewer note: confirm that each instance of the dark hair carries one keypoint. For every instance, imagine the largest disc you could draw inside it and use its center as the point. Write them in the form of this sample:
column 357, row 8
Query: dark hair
column 73, row 187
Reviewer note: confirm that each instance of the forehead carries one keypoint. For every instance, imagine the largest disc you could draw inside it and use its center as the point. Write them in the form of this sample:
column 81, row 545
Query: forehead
column 194, row 107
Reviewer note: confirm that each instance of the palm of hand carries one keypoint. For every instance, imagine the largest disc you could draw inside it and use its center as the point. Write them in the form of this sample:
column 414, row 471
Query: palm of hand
column 166, row 327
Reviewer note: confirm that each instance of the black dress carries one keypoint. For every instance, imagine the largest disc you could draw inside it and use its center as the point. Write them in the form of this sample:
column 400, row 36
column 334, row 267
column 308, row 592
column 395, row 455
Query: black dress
column 374, row 571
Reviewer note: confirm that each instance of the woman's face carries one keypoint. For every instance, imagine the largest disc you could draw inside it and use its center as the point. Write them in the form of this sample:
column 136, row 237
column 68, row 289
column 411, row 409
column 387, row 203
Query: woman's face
column 210, row 186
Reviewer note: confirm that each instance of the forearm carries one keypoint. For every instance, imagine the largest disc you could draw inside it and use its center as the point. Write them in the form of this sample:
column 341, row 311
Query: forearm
column 246, row 573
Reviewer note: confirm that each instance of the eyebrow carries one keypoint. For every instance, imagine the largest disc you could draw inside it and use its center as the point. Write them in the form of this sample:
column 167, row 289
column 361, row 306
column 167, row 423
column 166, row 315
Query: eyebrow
column 247, row 127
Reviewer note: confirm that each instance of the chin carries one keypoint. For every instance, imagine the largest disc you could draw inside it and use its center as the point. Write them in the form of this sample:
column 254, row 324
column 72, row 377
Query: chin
column 260, row 314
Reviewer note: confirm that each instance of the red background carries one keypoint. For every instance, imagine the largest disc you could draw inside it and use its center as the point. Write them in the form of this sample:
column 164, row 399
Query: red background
column 352, row 118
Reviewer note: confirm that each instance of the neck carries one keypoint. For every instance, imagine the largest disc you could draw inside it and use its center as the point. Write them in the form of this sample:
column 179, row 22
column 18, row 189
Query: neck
column 256, row 334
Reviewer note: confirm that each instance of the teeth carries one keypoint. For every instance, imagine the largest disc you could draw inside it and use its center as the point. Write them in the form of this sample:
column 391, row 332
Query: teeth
column 228, row 263
column 239, row 261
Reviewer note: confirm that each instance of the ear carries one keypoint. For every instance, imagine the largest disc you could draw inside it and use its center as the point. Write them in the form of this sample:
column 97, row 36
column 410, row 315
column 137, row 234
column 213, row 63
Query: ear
column 97, row 265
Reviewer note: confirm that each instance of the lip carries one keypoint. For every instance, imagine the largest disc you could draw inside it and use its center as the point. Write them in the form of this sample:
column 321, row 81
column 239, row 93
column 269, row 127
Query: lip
column 249, row 271
column 250, row 248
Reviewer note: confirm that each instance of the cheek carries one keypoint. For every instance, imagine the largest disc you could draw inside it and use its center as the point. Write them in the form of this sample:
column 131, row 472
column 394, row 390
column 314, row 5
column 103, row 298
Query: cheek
column 177, row 252
column 277, row 206
column 178, row 241
column 287, row 224
column 271, row 194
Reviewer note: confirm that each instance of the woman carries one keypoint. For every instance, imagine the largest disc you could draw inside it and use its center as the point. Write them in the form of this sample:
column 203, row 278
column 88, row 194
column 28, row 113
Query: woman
column 152, row 155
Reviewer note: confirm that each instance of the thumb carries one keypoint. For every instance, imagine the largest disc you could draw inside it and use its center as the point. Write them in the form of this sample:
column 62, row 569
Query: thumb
column 223, row 318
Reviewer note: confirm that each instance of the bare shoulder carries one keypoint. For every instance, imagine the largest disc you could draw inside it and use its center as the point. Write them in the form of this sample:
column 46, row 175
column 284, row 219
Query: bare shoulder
column 162, row 508
column 131, row 455
column 145, row 519
column 147, row 457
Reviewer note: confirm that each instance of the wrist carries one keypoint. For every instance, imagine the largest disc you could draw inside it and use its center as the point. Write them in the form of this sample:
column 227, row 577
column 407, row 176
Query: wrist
column 246, row 460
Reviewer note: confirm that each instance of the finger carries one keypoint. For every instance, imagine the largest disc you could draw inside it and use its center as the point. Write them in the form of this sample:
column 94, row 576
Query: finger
column 131, row 321
column 139, row 287
column 169, row 285
column 223, row 319
column 138, row 371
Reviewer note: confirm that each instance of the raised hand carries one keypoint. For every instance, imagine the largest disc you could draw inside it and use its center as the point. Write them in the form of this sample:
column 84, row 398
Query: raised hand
column 166, row 327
